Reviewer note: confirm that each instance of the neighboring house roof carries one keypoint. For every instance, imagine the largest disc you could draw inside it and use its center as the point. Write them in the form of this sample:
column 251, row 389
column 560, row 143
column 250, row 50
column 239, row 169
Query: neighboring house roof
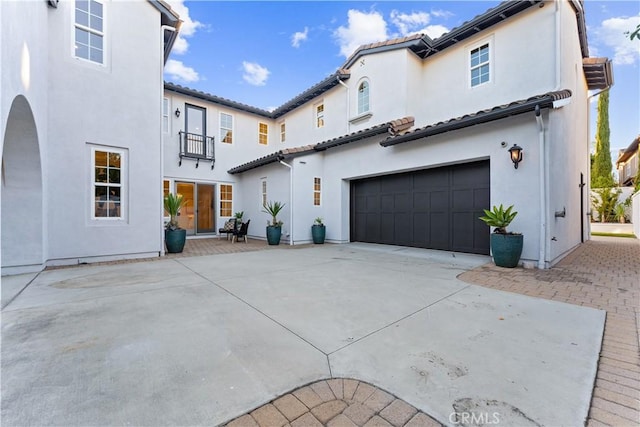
column 171, row 18
column 629, row 151
column 393, row 127
column 546, row 100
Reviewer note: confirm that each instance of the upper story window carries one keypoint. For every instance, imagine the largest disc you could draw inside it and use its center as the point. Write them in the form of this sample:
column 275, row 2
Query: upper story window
column 363, row 97
column 226, row 128
column 283, row 132
column 319, row 115
column 165, row 115
column 89, row 30
column 263, row 133
column 480, row 65
column 107, row 176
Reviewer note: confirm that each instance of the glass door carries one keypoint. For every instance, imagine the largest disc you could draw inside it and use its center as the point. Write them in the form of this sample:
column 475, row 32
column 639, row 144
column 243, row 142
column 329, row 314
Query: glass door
column 187, row 216
column 205, row 222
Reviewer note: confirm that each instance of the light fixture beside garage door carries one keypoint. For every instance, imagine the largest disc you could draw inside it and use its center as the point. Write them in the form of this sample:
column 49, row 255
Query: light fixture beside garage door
column 515, row 153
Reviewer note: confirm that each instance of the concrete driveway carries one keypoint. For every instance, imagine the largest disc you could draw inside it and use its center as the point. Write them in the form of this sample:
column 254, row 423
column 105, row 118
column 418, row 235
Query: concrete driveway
column 199, row 341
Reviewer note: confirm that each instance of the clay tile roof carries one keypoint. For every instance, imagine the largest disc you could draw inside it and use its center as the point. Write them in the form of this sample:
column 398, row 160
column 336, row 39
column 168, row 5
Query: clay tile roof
column 483, row 116
column 392, row 127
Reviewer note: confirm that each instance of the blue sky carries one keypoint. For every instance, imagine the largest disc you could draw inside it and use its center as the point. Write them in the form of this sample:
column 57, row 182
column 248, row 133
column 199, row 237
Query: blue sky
column 265, row 53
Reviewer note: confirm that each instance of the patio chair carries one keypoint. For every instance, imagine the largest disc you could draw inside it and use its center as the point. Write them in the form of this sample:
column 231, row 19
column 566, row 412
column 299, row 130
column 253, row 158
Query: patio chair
column 229, row 228
column 242, row 232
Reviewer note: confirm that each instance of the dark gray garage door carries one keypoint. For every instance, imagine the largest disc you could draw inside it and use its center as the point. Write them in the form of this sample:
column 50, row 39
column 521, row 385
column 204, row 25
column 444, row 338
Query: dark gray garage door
column 432, row 208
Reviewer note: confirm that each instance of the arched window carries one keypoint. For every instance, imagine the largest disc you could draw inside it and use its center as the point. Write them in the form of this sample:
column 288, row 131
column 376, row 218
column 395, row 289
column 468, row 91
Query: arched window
column 363, row 97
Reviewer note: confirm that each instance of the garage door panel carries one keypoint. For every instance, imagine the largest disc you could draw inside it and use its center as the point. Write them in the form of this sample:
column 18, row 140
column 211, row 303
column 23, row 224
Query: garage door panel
column 434, row 208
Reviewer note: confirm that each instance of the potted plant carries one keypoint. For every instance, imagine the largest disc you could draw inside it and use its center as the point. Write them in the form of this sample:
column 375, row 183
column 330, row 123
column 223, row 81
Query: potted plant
column 506, row 247
column 274, row 228
column 174, row 236
column 238, row 216
column 318, row 231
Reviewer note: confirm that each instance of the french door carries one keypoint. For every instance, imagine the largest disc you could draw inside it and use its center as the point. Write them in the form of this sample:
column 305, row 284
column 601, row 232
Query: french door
column 198, row 214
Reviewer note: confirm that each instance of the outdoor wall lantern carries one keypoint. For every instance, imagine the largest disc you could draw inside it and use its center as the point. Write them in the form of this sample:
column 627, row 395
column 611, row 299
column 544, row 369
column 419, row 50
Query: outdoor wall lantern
column 516, row 155
column 177, row 113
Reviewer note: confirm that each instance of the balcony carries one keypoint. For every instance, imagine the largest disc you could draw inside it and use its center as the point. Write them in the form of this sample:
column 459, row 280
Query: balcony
column 197, row 147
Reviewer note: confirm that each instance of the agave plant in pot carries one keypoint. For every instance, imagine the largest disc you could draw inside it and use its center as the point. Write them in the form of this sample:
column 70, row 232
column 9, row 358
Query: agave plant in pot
column 274, row 228
column 174, row 236
column 506, row 247
column 318, row 231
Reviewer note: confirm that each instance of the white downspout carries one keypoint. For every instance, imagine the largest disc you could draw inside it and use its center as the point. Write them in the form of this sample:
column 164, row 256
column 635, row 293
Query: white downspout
column 348, row 103
column 290, row 199
column 543, row 198
column 163, row 28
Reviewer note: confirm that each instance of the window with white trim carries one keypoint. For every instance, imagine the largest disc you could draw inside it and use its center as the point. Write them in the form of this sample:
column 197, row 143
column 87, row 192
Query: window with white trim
column 263, row 188
column 283, row 132
column 166, row 189
column 363, row 97
column 89, row 30
column 226, row 200
column 263, row 134
column 226, row 128
column 165, row 115
column 317, row 191
column 319, row 109
column 479, row 65
column 107, row 176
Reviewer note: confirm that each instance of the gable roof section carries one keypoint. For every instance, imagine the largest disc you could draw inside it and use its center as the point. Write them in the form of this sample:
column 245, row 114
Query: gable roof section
column 393, row 127
column 424, row 46
column 309, row 94
column 546, row 100
column 168, row 17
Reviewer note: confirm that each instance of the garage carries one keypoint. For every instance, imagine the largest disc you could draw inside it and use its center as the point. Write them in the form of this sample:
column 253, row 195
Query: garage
column 434, row 208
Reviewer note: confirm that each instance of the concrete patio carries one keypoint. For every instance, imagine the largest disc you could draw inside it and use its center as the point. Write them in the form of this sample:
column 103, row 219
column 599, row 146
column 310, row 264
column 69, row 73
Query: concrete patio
column 202, row 340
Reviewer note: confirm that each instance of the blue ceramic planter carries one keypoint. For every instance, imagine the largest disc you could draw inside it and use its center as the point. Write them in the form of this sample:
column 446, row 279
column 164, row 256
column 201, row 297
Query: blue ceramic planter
column 318, row 233
column 174, row 240
column 273, row 235
column 506, row 249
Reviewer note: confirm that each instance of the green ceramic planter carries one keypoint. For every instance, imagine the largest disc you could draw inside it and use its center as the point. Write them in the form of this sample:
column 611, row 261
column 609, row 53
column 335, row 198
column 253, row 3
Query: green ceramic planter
column 506, row 249
column 273, row 235
column 174, row 240
column 318, row 233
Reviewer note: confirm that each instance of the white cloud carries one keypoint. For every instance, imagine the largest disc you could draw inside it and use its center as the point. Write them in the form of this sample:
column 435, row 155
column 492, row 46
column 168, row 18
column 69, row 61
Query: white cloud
column 362, row 28
column 442, row 14
column 254, row 73
column 409, row 23
column 299, row 37
column 188, row 28
column 178, row 71
column 611, row 33
column 434, row 31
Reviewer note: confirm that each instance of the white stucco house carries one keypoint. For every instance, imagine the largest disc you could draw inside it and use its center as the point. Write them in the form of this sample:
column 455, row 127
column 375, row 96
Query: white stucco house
column 80, row 119
column 405, row 144
column 408, row 141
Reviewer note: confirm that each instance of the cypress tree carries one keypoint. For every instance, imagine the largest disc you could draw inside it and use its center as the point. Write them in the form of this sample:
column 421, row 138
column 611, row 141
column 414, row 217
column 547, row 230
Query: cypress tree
column 601, row 169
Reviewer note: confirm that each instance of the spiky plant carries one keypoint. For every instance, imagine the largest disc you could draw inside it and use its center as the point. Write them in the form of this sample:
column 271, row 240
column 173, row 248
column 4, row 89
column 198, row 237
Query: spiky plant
column 172, row 204
column 499, row 217
column 273, row 209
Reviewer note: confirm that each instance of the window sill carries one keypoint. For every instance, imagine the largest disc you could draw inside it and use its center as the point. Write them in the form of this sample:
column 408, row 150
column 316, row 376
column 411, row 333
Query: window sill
column 361, row 118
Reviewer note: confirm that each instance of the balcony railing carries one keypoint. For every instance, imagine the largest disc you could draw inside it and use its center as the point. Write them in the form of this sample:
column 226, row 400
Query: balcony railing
column 198, row 147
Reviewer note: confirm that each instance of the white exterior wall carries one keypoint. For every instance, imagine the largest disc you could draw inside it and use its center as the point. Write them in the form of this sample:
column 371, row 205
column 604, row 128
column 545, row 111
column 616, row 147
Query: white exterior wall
column 115, row 105
column 522, row 65
column 635, row 213
column 23, row 55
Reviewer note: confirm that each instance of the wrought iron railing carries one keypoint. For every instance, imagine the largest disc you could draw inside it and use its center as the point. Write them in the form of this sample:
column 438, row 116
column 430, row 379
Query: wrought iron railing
column 198, row 147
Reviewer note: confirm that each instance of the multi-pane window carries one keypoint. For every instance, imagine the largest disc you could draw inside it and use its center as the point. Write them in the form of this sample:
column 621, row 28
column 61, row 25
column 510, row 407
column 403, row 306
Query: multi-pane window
column 479, row 62
column 107, row 184
column 283, row 132
column 165, row 192
column 89, row 30
column 226, row 128
column 263, row 133
column 264, row 192
column 320, row 115
column 317, row 191
column 165, row 115
column 226, row 199
column 363, row 97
